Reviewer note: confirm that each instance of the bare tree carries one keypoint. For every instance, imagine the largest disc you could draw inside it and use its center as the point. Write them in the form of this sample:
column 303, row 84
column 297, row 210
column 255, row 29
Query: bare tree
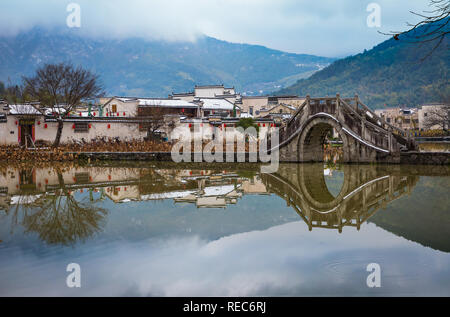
column 153, row 119
column 2, row 89
column 60, row 88
column 14, row 94
column 434, row 23
column 438, row 116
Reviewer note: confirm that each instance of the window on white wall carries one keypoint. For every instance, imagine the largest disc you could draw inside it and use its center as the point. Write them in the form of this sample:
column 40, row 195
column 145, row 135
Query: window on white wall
column 81, row 127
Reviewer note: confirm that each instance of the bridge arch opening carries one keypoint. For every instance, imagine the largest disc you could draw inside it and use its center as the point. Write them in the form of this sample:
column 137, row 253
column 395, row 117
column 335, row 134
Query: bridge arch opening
column 323, row 140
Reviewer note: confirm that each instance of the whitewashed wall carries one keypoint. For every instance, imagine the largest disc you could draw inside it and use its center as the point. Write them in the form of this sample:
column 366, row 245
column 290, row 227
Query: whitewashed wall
column 124, row 131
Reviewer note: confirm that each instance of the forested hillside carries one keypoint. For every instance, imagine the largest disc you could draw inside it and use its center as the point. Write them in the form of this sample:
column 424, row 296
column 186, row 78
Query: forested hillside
column 393, row 73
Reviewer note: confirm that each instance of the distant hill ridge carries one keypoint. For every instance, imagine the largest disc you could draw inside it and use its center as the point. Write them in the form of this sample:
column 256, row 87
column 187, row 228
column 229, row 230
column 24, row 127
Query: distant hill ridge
column 138, row 67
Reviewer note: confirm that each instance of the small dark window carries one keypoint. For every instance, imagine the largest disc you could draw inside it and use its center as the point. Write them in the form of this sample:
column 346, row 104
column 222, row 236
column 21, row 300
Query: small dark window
column 82, row 178
column 81, row 127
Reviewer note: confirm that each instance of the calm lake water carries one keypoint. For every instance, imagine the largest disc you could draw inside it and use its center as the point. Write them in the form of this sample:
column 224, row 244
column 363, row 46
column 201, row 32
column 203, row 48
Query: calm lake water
column 157, row 229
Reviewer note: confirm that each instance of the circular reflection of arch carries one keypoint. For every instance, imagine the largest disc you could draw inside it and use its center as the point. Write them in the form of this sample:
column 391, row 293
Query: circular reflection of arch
column 315, row 190
column 303, row 187
column 312, row 137
column 334, row 179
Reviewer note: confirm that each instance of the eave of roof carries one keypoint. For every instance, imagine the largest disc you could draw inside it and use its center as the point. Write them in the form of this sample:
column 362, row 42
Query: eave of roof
column 208, row 86
column 255, row 97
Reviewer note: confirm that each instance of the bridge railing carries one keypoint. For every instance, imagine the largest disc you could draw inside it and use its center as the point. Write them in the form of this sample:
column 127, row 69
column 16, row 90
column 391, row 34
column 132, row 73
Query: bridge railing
column 383, row 122
column 378, row 135
column 298, row 112
column 355, row 114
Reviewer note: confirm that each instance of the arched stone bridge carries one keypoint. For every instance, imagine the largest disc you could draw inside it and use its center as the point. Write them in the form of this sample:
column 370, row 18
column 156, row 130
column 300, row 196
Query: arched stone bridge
column 364, row 191
column 366, row 137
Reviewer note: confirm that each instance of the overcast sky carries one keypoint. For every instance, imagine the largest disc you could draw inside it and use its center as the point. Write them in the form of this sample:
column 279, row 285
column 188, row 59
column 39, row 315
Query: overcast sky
column 320, row 27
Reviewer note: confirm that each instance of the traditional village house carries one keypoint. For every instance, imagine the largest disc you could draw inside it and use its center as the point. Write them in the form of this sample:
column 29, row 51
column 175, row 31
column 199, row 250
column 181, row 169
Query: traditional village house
column 117, row 107
column 403, row 118
column 279, row 112
column 213, row 108
column 22, row 126
column 187, row 96
column 254, row 105
column 148, row 106
column 218, row 107
column 209, row 91
column 294, row 101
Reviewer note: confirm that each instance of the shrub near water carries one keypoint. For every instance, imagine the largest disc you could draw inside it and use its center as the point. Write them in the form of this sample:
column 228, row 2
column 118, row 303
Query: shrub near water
column 11, row 153
column 69, row 152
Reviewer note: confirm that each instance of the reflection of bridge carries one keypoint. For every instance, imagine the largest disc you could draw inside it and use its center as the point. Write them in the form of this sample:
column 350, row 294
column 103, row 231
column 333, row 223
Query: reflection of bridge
column 365, row 189
column 366, row 137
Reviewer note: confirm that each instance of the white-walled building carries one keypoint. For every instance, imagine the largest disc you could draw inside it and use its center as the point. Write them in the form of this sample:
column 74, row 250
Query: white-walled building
column 218, row 106
column 211, row 108
column 24, row 125
column 435, row 112
column 210, row 91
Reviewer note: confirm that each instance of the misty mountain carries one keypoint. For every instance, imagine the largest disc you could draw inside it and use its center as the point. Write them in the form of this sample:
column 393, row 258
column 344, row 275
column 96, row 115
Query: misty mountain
column 392, row 73
column 138, row 67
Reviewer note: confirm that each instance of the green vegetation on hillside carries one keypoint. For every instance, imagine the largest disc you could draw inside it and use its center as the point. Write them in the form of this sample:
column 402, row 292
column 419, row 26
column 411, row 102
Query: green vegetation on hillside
column 136, row 67
column 390, row 74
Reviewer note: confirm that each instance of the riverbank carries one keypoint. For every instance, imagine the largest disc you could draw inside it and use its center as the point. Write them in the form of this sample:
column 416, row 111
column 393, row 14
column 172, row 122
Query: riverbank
column 155, row 151
column 133, row 150
column 70, row 152
column 413, row 158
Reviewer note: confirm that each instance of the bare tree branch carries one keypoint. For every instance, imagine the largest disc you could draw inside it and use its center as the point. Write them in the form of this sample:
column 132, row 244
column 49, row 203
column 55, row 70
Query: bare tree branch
column 438, row 116
column 434, row 24
column 61, row 88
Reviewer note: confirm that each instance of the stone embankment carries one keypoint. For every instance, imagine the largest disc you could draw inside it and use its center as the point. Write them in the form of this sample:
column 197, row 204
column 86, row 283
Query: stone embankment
column 426, row 158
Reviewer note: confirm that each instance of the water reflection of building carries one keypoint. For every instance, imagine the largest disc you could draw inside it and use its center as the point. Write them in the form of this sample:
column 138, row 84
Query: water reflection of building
column 365, row 189
column 205, row 188
column 254, row 185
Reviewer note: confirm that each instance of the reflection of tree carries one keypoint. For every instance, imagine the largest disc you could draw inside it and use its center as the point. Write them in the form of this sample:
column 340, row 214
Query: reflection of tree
column 60, row 218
